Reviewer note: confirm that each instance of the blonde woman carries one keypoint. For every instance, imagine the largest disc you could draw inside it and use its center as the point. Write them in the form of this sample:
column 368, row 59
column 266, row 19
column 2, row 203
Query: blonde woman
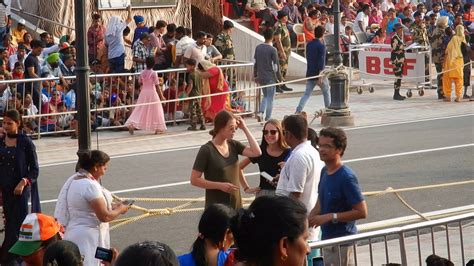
column 274, row 152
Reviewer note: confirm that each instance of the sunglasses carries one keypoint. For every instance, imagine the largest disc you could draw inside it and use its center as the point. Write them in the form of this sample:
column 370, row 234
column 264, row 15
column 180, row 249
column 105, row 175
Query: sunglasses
column 272, row 132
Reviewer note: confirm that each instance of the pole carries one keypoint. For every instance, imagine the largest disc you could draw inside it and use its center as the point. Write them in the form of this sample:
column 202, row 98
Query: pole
column 337, row 20
column 82, row 82
column 338, row 111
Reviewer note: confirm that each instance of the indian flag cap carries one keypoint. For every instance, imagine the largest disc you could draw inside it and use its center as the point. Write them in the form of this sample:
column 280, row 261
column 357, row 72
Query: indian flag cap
column 36, row 228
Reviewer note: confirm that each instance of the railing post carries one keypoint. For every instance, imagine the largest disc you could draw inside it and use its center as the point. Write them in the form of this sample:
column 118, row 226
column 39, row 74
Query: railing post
column 403, row 251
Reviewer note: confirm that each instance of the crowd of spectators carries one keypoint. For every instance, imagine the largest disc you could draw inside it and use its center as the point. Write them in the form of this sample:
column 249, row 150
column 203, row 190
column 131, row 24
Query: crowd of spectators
column 111, row 48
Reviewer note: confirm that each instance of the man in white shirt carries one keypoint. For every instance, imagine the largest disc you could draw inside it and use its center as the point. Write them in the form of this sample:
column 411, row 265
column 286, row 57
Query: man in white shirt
column 19, row 56
column 299, row 178
column 185, row 40
column 198, row 50
column 115, row 43
column 362, row 20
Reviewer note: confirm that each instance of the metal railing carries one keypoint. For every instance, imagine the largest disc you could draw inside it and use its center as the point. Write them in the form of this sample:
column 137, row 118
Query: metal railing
column 113, row 96
column 413, row 236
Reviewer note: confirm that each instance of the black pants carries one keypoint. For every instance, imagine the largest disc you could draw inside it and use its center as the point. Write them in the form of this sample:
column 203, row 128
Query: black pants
column 15, row 209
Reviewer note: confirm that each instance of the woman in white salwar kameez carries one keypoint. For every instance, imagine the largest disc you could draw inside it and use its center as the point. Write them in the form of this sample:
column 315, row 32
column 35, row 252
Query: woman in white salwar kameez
column 85, row 208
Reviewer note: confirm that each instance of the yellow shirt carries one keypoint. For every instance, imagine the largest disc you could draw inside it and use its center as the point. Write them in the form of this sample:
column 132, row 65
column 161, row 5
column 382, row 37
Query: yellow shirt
column 18, row 35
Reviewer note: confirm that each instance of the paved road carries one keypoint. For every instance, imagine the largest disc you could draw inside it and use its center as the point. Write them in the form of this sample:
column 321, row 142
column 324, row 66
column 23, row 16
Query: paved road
column 380, row 156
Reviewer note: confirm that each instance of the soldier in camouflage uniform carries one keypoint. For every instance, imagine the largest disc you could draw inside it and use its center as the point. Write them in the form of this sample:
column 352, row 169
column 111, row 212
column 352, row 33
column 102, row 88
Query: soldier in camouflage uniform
column 437, row 50
column 225, row 46
column 224, row 43
column 420, row 36
column 397, row 58
column 283, row 45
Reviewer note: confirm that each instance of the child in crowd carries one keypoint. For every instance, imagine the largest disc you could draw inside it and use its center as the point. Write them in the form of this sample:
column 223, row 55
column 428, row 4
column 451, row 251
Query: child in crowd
column 29, row 109
column 63, row 120
column 193, row 89
column 173, row 109
column 18, row 71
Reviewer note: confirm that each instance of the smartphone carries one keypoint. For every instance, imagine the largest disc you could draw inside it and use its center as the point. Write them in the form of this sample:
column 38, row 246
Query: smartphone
column 128, row 202
column 267, row 176
column 318, row 261
column 103, row 254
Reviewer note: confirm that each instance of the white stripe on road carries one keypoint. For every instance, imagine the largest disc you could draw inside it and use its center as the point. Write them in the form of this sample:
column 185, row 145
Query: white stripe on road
column 197, row 146
column 256, row 173
column 408, row 122
column 408, row 153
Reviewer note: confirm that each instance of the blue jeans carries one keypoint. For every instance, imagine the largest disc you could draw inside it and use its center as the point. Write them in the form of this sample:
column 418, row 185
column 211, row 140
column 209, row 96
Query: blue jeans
column 310, row 84
column 267, row 102
column 117, row 64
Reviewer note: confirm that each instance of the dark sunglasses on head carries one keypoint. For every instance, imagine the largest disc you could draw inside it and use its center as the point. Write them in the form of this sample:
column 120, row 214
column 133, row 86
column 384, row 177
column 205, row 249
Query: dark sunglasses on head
column 272, row 132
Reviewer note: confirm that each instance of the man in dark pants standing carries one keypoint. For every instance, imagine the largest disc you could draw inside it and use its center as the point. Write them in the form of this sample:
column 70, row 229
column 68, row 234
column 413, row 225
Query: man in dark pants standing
column 398, row 60
column 32, row 70
column 316, row 58
column 340, row 202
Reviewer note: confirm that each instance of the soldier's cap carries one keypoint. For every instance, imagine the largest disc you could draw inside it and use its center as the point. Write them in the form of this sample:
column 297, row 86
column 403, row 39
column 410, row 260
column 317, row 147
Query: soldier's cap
column 282, row 14
column 416, row 14
column 397, row 26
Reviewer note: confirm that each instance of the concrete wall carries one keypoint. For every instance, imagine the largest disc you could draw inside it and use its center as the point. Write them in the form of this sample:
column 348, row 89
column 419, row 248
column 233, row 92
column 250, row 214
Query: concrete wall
column 245, row 41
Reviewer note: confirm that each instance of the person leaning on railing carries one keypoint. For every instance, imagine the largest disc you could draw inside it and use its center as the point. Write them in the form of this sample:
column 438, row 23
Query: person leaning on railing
column 340, row 202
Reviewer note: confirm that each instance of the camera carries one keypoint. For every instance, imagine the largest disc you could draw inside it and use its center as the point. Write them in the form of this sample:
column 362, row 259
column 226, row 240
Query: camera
column 103, row 254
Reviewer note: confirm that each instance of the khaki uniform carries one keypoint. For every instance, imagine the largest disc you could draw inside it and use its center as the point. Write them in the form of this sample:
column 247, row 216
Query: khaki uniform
column 225, row 45
column 282, row 30
column 398, row 59
column 437, row 53
column 420, row 36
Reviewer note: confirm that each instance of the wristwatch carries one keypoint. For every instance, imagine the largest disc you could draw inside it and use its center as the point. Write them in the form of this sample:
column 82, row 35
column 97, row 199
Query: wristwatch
column 334, row 218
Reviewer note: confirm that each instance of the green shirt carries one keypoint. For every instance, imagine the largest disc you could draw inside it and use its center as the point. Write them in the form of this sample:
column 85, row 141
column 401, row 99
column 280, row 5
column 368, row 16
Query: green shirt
column 218, row 168
column 194, row 79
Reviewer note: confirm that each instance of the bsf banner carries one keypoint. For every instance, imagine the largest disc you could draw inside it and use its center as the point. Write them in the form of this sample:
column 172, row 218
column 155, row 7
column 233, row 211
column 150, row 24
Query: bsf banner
column 377, row 65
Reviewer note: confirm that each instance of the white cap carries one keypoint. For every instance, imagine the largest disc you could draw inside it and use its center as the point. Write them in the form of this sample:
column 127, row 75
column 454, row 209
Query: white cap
column 22, row 21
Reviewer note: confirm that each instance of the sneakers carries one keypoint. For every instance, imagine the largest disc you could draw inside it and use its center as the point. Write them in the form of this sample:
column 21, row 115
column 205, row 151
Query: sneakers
column 203, row 127
column 259, row 118
column 465, row 96
column 192, row 128
column 285, row 88
column 279, row 90
column 458, row 99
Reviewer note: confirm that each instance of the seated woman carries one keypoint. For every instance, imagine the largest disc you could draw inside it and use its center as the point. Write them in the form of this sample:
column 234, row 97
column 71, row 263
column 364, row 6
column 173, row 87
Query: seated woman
column 272, row 231
column 213, row 240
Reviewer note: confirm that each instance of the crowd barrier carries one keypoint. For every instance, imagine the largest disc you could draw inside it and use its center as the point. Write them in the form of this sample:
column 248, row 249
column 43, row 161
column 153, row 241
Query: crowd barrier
column 416, row 237
column 113, row 97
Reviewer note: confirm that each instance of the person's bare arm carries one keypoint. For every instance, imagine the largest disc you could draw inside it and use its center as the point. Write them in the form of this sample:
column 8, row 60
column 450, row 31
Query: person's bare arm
column 103, row 214
column 197, row 181
column 359, row 211
column 129, row 15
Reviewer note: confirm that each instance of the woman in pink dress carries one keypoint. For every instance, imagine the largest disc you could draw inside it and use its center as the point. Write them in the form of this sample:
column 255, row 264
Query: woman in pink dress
column 213, row 82
column 148, row 117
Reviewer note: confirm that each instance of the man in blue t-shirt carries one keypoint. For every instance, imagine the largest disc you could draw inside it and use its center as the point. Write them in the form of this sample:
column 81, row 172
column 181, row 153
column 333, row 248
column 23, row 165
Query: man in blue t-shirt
column 340, row 201
column 316, row 59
